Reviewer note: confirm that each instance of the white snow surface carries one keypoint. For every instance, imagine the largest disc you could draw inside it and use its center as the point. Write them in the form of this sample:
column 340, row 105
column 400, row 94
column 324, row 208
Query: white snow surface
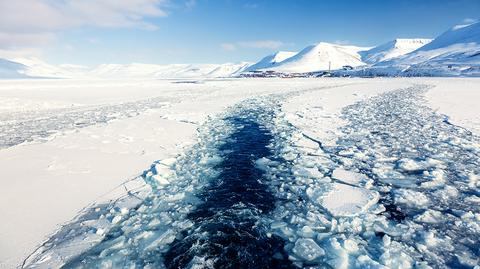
column 458, row 99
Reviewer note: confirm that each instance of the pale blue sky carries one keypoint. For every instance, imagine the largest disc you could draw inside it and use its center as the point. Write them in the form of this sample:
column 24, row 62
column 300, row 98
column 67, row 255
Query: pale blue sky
column 216, row 31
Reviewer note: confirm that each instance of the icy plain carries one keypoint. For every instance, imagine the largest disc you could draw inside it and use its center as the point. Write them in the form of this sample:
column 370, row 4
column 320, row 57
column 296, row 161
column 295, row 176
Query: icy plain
column 341, row 173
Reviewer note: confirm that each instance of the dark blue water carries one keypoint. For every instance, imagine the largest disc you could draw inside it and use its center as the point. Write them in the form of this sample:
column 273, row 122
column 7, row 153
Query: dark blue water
column 228, row 231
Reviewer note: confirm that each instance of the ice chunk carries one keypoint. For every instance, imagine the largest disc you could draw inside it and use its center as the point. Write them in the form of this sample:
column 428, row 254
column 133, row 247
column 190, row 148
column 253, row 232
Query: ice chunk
column 350, row 245
column 438, row 179
column 306, row 231
column 116, row 219
column 307, row 249
column 430, row 216
column 429, row 239
column 364, row 261
column 166, row 237
column 410, row 165
column 348, row 176
column 124, row 211
column 338, row 257
column 411, row 198
column 473, row 180
column 262, row 163
column 163, row 170
column 307, row 173
column 395, row 257
column 306, row 143
column 345, row 200
column 160, row 180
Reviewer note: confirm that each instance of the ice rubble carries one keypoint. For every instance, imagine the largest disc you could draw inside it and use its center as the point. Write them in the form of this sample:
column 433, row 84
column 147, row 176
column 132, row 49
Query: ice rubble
column 424, row 169
column 420, row 164
column 17, row 128
column 409, row 200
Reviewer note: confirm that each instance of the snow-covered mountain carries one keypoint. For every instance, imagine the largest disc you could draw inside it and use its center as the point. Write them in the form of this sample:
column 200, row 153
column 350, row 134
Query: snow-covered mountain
column 319, row 57
column 10, row 69
column 392, row 49
column 455, row 52
column 138, row 70
column 40, row 69
column 35, row 68
column 325, row 56
column 271, row 60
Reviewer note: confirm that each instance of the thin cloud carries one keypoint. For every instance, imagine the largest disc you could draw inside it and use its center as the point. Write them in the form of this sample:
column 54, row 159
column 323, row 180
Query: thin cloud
column 28, row 21
column 261, row 44
column 190, row 4
column 251, row 5
column 342, row 42
column 469, row 20
column 18, row 40
column 228, row 46
column 253, row 44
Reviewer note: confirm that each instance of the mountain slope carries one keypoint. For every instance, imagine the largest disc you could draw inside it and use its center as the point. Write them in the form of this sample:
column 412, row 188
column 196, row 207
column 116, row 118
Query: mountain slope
column 34, row 68
column 271, row 60
column 392, row 49
column 10, row 69
column 455, row 52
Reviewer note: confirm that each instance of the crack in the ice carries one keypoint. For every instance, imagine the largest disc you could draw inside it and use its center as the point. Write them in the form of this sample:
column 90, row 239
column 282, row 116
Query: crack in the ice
column 227, row 231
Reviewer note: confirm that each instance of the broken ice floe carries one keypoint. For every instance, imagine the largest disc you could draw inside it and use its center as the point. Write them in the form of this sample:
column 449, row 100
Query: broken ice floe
column 399, row 189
